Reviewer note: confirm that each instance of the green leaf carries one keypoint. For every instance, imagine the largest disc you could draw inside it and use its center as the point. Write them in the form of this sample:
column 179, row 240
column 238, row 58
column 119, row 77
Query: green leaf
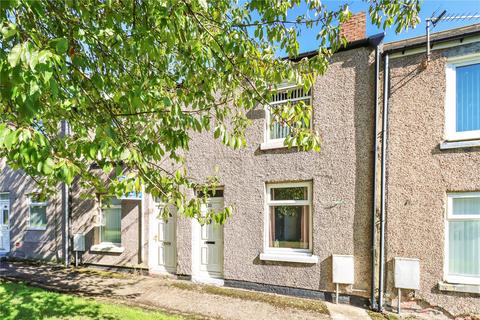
column 48, row 166
column 61, row 45
column 15, row 54
column 10, row 139
column 125, row 154
column 9, row 31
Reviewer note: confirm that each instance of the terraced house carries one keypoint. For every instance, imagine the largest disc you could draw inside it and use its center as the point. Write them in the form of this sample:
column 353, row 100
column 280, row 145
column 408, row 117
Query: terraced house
column 391, row 202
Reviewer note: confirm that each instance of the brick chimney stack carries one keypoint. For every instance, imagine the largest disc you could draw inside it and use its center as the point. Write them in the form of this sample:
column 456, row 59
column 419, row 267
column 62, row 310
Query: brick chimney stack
column 355, row 28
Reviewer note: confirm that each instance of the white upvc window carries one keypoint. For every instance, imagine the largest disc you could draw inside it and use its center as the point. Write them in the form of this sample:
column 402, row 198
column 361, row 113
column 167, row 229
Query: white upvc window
column 276, row 132
column 462, row 101
column 37, row 218
column 288, row 223
column 462, row 238
column 111, row 226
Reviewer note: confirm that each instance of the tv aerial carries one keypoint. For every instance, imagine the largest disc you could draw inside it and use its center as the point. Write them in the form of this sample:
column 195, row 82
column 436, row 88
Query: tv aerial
column 436, row 19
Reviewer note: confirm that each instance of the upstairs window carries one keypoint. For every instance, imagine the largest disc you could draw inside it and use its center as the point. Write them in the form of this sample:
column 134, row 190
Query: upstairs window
column 276, row 132
column 462, row 250
column 110, row 230
column 463, row 98
column 38, row 213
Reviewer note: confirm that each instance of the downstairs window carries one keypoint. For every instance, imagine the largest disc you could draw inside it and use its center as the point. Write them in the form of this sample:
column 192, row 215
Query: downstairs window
column 289, row 217
column 463, row 239
column 110, row 230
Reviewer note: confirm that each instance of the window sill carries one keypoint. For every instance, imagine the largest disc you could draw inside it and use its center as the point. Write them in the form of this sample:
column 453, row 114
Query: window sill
column 107, row 247
column 271, row 145
column 466, row 288
column 459, row 144
column 284, row 257
column 36, row 228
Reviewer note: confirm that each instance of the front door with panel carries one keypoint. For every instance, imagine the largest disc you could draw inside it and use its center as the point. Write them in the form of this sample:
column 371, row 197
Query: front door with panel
column 4, row 227
column 162, row 244
column 210, row 243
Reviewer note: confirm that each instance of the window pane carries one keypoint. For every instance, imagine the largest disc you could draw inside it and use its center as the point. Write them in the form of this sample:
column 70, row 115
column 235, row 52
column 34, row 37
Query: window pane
column 468, row 98
column 464, row 248
column 217, row 193
column 5, row 216
column 292, row 193
column 289, row 227
column 466, row 206
column 279, row 99
column 38, row 216
column 4, row 196
column 111, row 230
column 279, row 130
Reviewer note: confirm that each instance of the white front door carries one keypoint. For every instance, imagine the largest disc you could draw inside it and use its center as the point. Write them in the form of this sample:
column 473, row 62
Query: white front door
column 208, row 246
column 162, row 251
column 4, row 227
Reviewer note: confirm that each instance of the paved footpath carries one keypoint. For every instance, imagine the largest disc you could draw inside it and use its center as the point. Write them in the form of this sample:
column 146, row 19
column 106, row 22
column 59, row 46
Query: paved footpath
column 170, row 295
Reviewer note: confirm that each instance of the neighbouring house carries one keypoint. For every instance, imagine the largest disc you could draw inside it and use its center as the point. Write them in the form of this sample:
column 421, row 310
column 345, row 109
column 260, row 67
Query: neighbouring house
column 30, row 227
column 433, row 166
column 296, row 214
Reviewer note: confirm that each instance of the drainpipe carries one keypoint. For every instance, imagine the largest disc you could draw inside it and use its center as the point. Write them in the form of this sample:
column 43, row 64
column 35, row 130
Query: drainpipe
column 386, row 84
column 373, row 303
column 65, row 208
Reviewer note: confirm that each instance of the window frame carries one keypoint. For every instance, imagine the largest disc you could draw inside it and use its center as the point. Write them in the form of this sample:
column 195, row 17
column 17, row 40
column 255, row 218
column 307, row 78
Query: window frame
column 102, row 225
column 31, row 204
column 280, row 143
column 453, row 63
column 3, row 201
column 268, row 202
column 448, row 218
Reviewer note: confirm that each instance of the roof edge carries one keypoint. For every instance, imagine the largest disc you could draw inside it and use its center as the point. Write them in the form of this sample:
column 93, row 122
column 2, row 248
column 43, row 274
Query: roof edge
column 436, row 38
column 372, row 41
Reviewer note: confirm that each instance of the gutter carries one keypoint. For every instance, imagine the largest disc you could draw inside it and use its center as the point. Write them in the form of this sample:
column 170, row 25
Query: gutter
column 422, row 44
column 379, row 40
column 372, row 41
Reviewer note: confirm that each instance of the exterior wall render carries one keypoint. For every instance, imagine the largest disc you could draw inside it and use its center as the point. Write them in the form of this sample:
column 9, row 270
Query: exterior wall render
column 419, row 174
column 341, row 176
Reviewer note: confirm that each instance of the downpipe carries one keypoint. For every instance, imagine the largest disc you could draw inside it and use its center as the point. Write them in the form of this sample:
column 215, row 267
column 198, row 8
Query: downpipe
column 373, row 302
column 381, row 276
column 66, row 209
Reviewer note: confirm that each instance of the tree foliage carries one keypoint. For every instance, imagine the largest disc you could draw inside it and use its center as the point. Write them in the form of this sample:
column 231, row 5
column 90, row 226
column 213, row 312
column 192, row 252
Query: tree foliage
column 134, row 78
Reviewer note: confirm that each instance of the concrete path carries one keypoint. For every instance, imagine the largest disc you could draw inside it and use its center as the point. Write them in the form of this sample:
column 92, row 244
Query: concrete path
column 177, row 296
column 344, row 312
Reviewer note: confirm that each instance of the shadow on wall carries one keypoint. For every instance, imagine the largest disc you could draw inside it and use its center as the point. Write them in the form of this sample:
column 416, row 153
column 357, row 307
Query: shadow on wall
column 325, row 273
column 24, row 243
column 84, row 211
column 364, row 130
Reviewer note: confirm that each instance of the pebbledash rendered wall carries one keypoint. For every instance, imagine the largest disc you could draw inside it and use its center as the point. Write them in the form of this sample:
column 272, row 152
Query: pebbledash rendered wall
column 26, row 243
column 342, row 184
column 420, row 174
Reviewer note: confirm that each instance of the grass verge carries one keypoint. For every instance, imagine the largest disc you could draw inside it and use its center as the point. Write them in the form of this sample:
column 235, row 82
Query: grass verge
column 19, row 301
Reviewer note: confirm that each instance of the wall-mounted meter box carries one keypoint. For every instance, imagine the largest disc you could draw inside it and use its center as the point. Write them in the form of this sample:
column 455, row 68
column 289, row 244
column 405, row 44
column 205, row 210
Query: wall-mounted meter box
column 342, row 269
column 407, row 273
column 78, row 242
